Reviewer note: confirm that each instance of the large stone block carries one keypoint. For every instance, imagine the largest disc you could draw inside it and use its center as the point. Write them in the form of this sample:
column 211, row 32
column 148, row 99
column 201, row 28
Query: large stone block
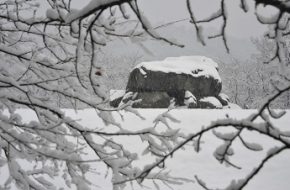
column 152, row 100
column 191, row 81
column 176, row 76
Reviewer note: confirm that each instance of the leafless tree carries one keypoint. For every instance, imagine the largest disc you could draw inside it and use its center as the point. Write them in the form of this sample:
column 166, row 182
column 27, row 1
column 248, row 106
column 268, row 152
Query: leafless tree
column 54, row 55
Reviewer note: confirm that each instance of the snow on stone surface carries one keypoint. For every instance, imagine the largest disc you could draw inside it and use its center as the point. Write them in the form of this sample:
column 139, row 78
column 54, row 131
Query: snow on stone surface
column 142, row 71
column 188, row 163
column 213, row 100
column 224, row 96
column 115, row 94
column 195, row 66
column 189, row 98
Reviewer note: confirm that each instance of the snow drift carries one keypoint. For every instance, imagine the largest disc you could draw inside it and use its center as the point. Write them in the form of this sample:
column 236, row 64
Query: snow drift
column 185, row 163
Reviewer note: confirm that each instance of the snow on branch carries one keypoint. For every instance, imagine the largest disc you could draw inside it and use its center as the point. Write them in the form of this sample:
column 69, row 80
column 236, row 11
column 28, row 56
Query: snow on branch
column 278, row 31
column 92, row 7
column 51, row 62
column 220, row 13
column 225, row 151
column 147, row 26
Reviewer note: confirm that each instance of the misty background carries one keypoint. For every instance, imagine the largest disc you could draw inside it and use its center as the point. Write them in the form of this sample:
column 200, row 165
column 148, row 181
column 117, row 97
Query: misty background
column 245, row 78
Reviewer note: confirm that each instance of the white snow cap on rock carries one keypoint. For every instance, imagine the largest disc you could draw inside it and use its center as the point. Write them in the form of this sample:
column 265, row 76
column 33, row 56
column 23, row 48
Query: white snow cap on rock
column 224, row 96
column 211, row 100
column 115, row 94
column 192, row 65
column 196, row 59
column 189, row 98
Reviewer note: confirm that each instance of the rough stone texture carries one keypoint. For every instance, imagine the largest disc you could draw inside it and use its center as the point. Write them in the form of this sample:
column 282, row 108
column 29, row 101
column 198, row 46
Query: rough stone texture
column 190, row 81
column 223, row 98
column 173, row 83
column 192, row 105
column 116, row 96
column 152, row 100
column 115, row 102
column 190, row 100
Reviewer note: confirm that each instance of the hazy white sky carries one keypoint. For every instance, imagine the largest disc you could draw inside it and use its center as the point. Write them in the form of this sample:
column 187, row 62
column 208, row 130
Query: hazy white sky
column 240, row 24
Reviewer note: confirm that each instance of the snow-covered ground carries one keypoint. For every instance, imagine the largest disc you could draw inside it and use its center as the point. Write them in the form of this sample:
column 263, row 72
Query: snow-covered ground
column 187, row 163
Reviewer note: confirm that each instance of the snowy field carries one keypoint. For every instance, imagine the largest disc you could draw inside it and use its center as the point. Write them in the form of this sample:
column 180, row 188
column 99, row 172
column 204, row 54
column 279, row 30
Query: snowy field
column 187, row 163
